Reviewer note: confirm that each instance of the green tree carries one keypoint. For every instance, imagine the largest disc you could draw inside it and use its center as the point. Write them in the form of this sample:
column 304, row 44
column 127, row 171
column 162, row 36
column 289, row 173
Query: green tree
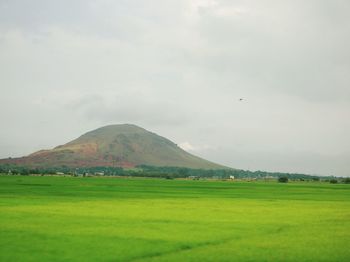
column 283, row 179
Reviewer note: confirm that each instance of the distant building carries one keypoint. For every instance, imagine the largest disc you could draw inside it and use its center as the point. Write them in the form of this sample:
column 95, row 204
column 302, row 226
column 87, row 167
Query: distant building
column 194, row 177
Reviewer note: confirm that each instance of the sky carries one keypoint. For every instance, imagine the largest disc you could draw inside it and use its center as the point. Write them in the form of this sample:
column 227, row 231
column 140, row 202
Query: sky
column 258, row 85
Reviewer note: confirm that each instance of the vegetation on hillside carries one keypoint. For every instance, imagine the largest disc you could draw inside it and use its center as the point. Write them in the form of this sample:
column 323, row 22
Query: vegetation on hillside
column 115, row 146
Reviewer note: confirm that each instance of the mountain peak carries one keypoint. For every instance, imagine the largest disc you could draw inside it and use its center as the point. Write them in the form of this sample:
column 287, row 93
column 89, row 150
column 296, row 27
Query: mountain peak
column 125, row 127
column 118, row 128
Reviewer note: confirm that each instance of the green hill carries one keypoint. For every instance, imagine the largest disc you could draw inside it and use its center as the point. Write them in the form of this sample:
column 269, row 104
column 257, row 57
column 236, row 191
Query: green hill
column 116, row 145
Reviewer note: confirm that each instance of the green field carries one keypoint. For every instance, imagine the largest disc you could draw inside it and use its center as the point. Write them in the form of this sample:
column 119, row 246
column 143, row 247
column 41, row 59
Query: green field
column 115, row 219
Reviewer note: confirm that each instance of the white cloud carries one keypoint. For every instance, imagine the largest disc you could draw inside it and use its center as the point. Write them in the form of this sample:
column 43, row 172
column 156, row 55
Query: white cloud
column 186, row 146
column 195, row 148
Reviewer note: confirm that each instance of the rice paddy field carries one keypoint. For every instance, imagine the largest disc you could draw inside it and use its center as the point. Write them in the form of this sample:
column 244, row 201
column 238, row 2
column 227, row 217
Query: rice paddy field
column 120, row 219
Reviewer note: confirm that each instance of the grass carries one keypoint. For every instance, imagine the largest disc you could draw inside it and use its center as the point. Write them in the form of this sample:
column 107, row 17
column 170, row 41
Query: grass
column 110, row 219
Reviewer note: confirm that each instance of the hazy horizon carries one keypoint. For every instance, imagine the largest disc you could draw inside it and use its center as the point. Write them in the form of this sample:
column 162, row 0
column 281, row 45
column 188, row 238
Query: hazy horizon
column 251, row 85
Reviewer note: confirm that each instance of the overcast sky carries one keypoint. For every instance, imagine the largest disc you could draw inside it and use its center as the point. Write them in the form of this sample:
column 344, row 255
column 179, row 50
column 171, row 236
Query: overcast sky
column 179, row 68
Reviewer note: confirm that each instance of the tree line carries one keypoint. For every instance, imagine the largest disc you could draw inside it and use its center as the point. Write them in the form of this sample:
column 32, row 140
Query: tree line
column 156, row 171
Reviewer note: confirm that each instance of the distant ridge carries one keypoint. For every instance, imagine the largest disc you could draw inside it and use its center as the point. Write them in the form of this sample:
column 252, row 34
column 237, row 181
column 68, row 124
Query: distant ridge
column 123, row 145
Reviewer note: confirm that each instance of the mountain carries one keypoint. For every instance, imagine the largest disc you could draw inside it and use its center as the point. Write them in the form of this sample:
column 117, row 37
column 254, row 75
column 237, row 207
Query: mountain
column 115, row 145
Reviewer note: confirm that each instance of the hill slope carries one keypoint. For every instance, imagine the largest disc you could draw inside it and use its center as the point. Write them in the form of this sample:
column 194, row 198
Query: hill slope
column 116, row 145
